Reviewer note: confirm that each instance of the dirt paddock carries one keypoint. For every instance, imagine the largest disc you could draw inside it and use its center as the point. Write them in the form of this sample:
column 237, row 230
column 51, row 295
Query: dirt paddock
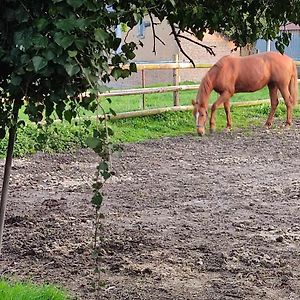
column 186, row 218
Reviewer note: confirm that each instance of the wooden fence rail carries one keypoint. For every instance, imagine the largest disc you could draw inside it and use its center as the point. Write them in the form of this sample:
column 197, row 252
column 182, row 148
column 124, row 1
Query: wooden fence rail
column 175, row 88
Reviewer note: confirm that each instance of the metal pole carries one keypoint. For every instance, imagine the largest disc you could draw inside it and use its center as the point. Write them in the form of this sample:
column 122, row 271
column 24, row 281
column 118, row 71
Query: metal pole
column 268, row 46
column 7, row 171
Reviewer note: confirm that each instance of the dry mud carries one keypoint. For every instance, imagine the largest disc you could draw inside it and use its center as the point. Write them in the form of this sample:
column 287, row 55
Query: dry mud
column 206, row 218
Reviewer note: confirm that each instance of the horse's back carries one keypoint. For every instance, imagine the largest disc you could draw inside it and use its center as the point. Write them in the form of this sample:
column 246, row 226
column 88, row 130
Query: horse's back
column 251, row 73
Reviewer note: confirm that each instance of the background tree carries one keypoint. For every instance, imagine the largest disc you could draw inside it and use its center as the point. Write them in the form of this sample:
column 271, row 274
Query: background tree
column 243, row 21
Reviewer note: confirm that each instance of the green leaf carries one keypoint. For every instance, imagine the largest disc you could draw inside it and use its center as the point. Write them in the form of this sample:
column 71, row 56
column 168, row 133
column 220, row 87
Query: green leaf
column 75, row 3
column 87, row 123
column 68, row 114
column 132, row 67
column 80, row 44
column 40, row 41
column 97, row 199
column 48, row 54
column 63, row 40
column 66, row 24
column 21, row 123
column 72, row 53
column 116, row 72
column 103, row 166
column 110, row 131
column 92, row 142
column 39, row 63
column 72, row 69
column 16, row 80
column 100, row 35
column 112, row 112
column 60, row 107
column 41, row 24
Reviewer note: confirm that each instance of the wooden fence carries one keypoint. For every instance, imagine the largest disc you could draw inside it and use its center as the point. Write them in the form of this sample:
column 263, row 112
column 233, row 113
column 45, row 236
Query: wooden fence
column 175, row 88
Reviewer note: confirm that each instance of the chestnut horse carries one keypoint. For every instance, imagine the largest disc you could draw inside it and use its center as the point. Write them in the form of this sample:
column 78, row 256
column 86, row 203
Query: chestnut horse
column 231, row 75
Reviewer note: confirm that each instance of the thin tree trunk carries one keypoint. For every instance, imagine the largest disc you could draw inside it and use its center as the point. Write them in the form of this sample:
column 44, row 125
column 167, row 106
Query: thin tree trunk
column 7, row 169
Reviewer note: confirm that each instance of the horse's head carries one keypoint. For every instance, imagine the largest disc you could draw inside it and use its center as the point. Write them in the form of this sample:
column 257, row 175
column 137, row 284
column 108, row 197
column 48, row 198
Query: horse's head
column 200, row 114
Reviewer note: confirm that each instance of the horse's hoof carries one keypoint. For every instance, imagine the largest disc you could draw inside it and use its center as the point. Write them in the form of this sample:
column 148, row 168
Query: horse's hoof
column 227, row 130
column 287, row 126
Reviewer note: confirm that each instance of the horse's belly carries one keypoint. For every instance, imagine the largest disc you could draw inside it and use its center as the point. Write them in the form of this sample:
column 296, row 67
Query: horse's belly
column 248, row 87
column 250, row 82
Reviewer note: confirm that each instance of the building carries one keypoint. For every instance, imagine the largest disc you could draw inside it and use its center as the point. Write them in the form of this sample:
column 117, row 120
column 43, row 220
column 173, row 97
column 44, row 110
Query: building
column 167, row 52
column 293, row 50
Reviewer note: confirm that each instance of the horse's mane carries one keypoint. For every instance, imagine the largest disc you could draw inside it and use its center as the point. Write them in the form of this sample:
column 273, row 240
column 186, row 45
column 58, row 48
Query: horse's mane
column 205, row 89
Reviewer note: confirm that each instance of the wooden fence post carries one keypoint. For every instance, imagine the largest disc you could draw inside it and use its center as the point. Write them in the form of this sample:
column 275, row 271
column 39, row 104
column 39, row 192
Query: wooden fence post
column 176, row 100
column 143, row 86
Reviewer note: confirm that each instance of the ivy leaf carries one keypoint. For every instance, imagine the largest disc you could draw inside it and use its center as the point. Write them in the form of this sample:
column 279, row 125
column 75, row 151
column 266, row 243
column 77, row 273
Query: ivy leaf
column 39, row 63
column 101, row 35
column 63, row 40
column 72, row 53
column 72, row 69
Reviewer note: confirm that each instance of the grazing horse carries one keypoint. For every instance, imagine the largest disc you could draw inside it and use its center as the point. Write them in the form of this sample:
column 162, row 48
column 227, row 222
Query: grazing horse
column 232, row 75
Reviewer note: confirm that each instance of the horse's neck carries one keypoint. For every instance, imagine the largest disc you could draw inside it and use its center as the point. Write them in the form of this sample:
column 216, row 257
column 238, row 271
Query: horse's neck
column 204, row 92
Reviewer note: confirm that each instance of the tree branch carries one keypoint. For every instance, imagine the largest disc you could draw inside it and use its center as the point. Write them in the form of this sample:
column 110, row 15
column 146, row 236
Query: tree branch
column 154, row 33
column 127, row 33
column 179, row 44
column 207, row 48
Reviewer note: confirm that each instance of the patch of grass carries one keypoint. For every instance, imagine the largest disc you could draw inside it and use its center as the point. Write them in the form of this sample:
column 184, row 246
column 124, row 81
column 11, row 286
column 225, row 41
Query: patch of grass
column 62, row 137
column 65, row 137
column 134, row 102
column 24, row 291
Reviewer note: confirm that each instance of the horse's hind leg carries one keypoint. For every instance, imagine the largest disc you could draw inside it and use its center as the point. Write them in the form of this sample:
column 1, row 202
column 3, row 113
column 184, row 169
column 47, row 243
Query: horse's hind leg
column 289, row 104
column 228, row 115
column 273, row 91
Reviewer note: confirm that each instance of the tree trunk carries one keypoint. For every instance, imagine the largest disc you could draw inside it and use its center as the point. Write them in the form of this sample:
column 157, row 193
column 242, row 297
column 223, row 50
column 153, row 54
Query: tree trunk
column 7, row 169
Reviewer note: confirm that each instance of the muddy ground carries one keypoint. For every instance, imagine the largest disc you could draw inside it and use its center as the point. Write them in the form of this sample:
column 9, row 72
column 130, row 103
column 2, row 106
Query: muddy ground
column 208, row 218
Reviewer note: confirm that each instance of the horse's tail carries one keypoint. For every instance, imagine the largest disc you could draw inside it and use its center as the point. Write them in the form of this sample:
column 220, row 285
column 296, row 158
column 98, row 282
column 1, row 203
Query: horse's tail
column 293, row 86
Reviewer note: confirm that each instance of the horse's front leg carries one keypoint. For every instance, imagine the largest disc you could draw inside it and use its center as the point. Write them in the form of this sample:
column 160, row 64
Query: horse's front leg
column 223, row 98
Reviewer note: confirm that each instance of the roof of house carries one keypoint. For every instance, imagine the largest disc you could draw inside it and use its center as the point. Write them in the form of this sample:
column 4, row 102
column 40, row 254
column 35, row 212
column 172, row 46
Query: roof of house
column 290, row 27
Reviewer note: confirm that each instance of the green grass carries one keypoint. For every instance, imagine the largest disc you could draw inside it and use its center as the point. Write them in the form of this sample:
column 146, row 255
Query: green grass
column 179, row 123
column 62, row 137
column 25, row 291
column 65, row 137
column 134, row 102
